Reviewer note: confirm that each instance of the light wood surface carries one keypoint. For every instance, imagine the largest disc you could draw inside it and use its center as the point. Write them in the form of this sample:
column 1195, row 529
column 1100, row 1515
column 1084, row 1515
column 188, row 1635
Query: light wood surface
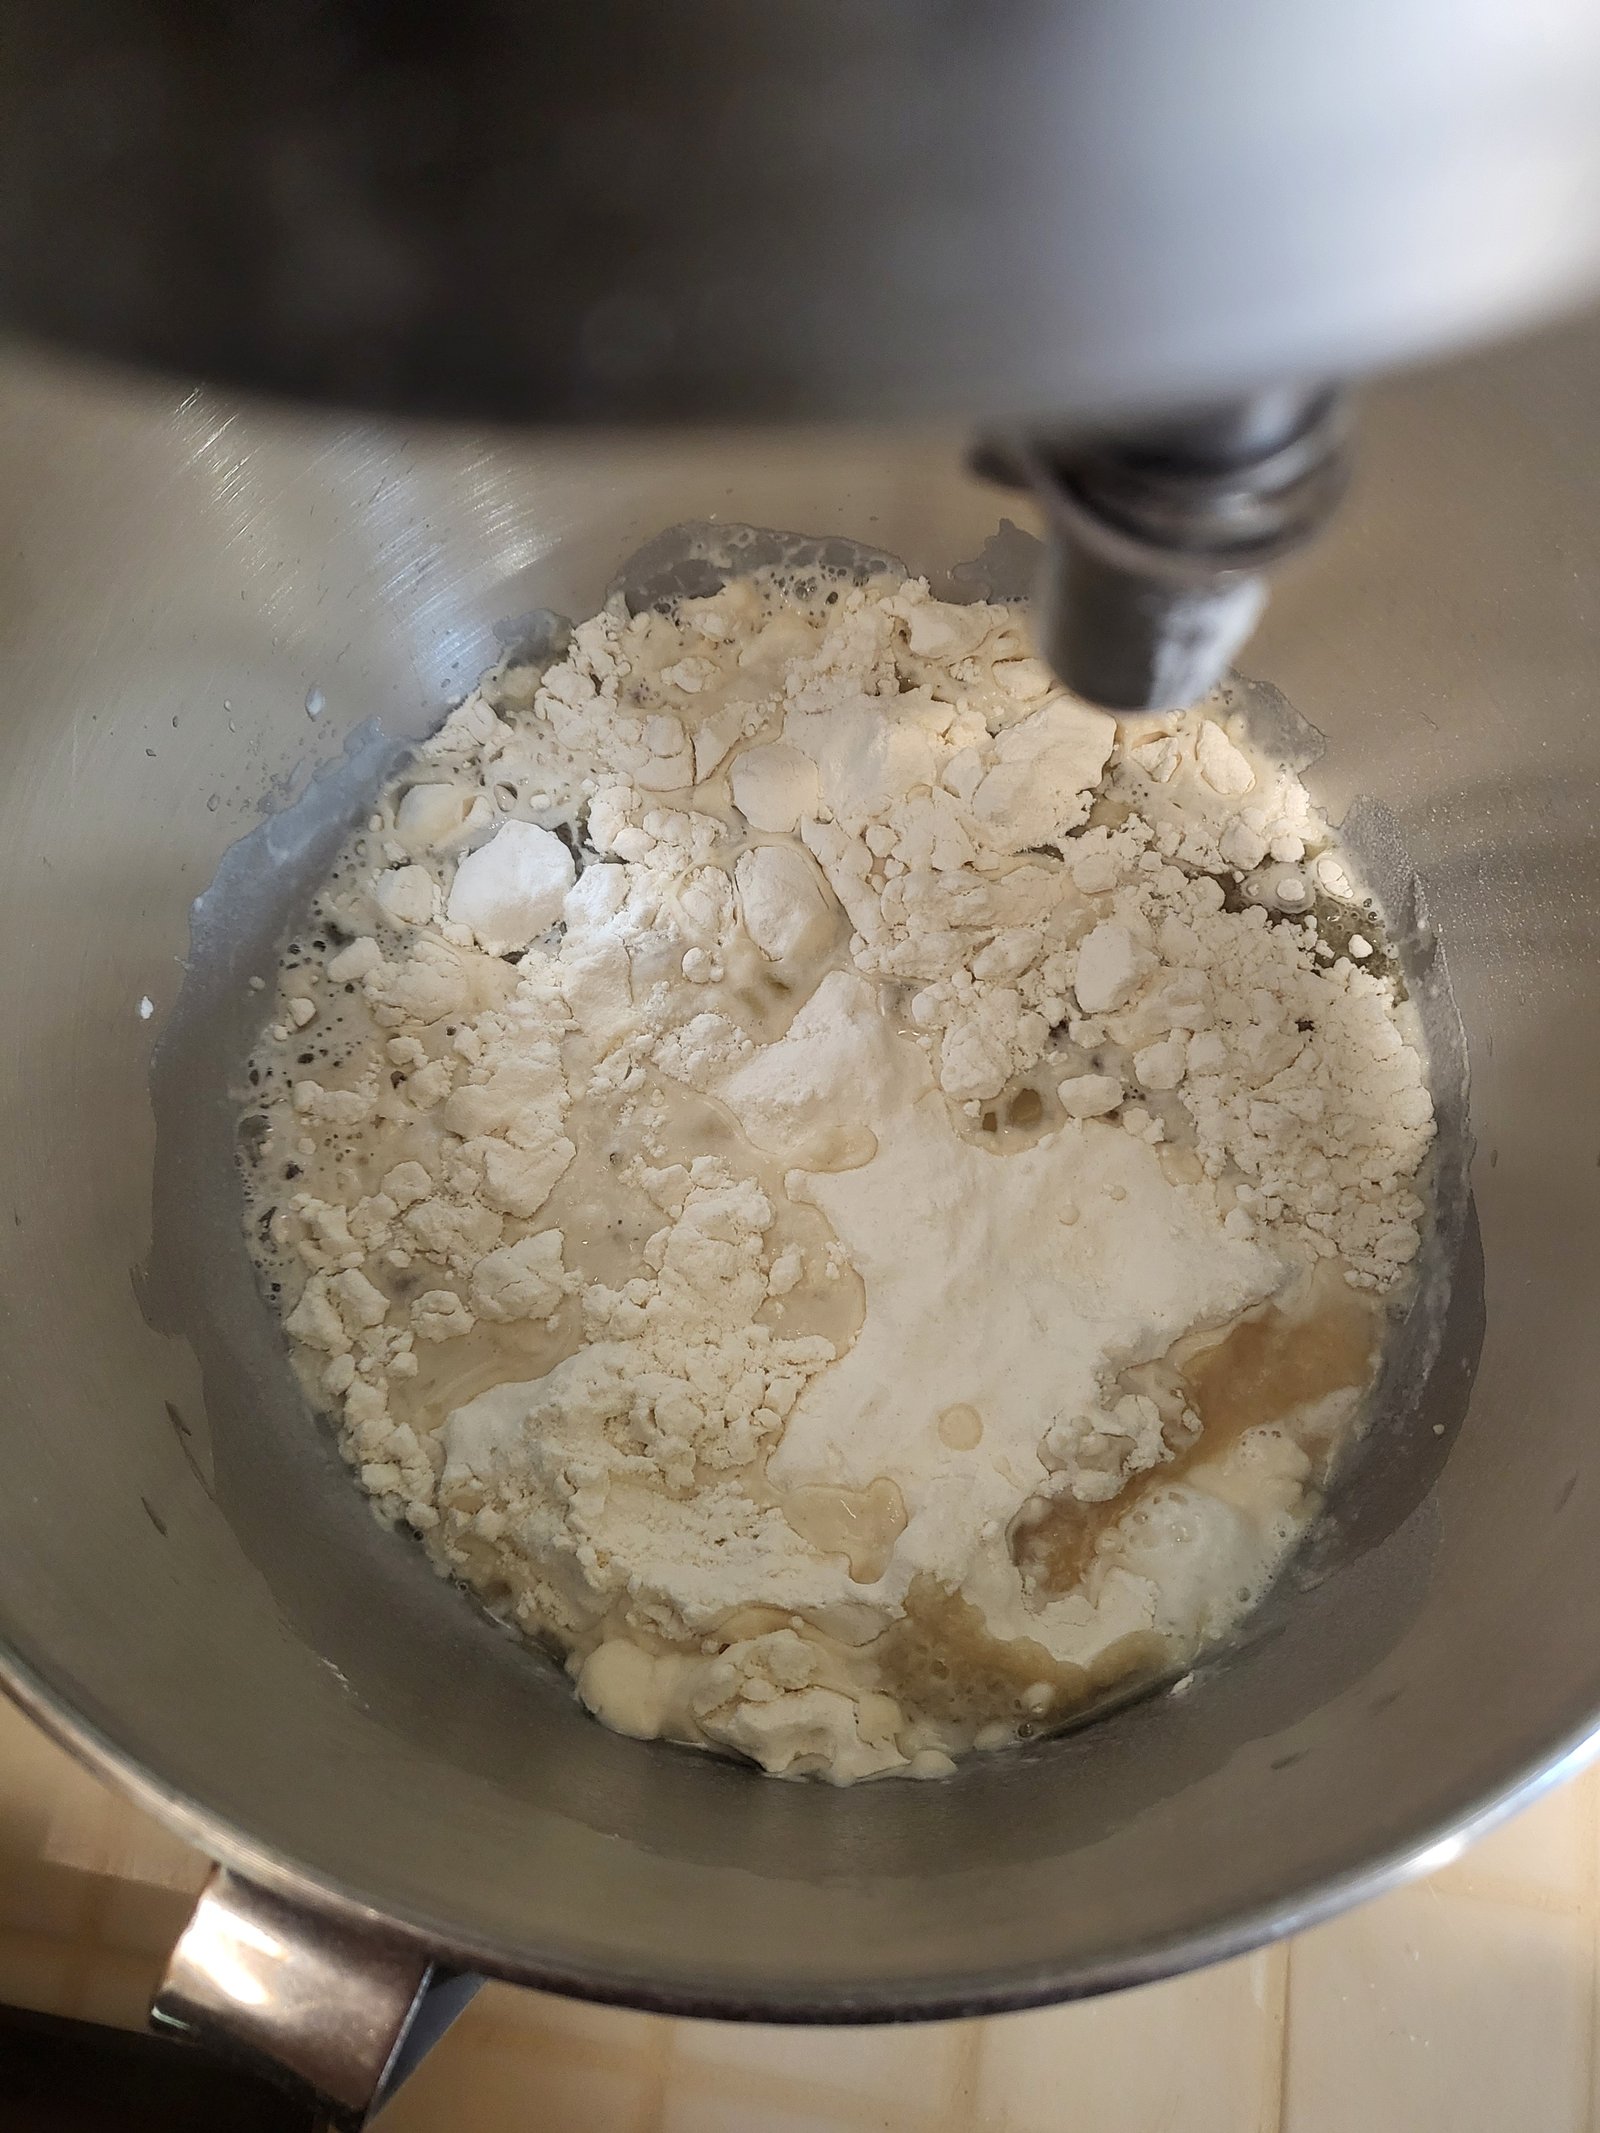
column 1464, row 2004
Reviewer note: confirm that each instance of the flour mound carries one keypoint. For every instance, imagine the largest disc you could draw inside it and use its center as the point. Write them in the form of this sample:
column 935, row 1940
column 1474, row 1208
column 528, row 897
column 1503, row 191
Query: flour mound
column 767, row 1133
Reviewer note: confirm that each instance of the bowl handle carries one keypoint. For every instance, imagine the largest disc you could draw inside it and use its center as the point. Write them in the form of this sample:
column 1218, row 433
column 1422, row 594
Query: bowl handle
column 346, row 2011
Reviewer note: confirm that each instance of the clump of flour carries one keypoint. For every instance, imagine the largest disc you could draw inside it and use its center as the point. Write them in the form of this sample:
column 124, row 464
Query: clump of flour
column 762, row 1132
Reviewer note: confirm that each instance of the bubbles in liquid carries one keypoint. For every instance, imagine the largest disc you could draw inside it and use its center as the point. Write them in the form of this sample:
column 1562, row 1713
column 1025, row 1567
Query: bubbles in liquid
column 941, row 1659
column 961, row 1427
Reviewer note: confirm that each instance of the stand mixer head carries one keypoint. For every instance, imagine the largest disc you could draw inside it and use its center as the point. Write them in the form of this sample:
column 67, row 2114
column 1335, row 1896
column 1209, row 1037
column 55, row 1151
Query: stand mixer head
column 1129, row 240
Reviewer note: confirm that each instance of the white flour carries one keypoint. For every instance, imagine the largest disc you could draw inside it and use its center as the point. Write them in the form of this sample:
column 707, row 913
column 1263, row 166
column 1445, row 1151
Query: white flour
column 829, row 1184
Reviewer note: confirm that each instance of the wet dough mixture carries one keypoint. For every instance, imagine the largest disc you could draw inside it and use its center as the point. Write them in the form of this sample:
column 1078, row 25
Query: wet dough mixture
column 833, row 1187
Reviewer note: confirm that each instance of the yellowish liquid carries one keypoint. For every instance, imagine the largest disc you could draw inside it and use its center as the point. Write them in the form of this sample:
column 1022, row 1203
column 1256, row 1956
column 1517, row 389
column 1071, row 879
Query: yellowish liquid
column 862, row 1525
column 942, row 1661
column 1269, row 1367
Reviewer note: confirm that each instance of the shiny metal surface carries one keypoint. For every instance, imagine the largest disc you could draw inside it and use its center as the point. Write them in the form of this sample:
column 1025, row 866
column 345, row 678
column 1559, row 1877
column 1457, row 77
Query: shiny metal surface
column 1052, row 208
column 195, row 1598
column 1160, row 537
column 322, row 2002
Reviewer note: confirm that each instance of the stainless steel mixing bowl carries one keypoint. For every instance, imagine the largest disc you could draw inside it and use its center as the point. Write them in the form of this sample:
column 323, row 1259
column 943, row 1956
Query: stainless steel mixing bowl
column 194, row 1598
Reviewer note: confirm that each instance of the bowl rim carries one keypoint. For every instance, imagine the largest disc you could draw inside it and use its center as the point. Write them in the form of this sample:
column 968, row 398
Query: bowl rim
column 1436, row 1844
